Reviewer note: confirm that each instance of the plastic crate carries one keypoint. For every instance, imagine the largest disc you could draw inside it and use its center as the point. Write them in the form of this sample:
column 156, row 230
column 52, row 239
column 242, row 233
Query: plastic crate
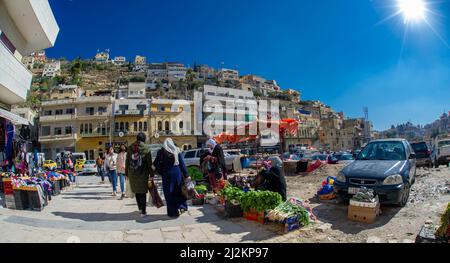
column 257, row 217
column 21, row 200
column 10, row 202
column 198, row 202
column 34, row 201
column 233, row 211
column 7, row 187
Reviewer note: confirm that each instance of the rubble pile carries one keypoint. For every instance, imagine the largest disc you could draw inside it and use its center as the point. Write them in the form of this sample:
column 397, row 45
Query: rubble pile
column 428, row 191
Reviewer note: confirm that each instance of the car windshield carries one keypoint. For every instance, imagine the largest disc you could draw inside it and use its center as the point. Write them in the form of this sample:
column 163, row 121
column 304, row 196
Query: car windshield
column 444, row 143
column 420, row 147
column 384, row 150
column 90, row 162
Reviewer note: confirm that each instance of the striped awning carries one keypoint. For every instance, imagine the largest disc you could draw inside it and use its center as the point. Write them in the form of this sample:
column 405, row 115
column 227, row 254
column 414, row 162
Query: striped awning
column 14, row 118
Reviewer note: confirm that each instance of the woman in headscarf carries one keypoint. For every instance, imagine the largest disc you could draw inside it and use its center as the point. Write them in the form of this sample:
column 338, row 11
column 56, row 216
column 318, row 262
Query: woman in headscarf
column 138, row 168
column 170, row 165
column 271, row 179
column 215, row 162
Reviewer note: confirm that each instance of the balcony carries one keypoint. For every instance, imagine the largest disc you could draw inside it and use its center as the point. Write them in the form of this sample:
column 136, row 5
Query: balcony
column 97, row 115
column 94, row 135
column 35, row 21
column 57, row 102
column 15, row 79
column 95, row 99
column 130, row 112
column 56, row 118
column 61, row 137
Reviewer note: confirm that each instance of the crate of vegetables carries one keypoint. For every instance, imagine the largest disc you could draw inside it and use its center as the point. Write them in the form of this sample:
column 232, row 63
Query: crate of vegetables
column 198, row 200
column 233, row 209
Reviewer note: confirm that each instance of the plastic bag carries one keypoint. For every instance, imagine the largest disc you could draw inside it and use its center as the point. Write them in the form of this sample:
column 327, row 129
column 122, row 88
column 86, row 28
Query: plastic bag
column 128, row 192
column 190, row 185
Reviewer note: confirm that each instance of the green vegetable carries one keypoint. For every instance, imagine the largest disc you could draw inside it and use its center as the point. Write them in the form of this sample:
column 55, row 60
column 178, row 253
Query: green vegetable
column 232, row 193
column 201, row 189
column 258, row 200
column 286, row 210
column 195, row 173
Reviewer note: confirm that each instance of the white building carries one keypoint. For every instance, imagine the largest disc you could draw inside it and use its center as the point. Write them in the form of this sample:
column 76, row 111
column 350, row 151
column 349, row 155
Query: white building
column 119, row 61
column 228, row 75
column 136, row 90
column 28, row 61
column 25, row 26
column 52, row 69
column 176, row 71
column 224, row 107
column 140, row 60
column 157, row 71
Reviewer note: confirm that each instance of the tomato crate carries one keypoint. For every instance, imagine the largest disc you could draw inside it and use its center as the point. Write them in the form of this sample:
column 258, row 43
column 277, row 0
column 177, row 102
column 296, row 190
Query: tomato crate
column 259, row 217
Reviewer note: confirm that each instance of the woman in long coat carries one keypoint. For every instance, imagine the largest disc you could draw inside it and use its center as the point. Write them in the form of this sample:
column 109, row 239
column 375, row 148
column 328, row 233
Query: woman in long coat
column 170, row 165
column 138, row 168
column 215, row 160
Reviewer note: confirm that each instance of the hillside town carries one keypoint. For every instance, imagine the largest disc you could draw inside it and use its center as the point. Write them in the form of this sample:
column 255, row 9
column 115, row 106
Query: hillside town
column 86, row 105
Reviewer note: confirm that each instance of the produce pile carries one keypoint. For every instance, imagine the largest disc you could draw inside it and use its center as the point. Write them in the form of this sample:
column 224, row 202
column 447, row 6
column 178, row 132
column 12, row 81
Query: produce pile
column 260, row 201
column 364, row 195
column 287, row 210
column 201, row 189
column 195, row 173
column 444, row 229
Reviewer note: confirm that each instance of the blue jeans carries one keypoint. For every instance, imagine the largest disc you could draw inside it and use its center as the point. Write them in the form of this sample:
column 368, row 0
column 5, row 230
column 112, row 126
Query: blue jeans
column 113, row 176
column 122, row 182
column 101, row 173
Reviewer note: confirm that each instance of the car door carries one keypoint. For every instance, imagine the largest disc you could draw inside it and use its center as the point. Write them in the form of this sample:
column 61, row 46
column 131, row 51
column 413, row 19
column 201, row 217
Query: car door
column 412, row 163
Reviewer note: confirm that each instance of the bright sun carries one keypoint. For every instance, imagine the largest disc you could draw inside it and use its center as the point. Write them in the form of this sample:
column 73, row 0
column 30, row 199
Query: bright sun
column 412, row 10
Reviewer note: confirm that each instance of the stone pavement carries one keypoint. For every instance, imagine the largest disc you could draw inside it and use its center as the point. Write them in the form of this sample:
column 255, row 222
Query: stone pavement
column 89, row 213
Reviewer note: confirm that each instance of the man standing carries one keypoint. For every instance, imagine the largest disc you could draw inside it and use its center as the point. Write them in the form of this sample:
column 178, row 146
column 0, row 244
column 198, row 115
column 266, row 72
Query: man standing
column 138, row 168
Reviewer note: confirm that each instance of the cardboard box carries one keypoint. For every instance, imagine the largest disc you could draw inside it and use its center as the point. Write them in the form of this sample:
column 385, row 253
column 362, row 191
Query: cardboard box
column 363, row 214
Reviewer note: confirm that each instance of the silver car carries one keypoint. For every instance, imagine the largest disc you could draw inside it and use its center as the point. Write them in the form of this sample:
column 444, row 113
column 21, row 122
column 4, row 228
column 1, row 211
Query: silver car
column 89, row 167
column 192, row 158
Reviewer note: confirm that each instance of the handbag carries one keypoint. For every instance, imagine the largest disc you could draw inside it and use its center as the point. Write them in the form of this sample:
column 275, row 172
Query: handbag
column 184, row 189
column 156, row 198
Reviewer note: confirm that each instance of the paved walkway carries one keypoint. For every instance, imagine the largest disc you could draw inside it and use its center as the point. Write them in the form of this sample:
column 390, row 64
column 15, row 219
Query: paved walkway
column 89, row 213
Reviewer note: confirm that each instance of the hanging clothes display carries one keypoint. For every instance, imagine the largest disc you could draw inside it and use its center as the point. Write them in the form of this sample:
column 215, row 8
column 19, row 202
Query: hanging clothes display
column 9, row 148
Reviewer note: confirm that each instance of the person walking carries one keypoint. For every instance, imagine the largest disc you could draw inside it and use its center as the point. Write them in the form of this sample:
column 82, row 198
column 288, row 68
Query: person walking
column 111, row 168
column 138, row 168
column 170, row 165
column 100, row 165
column 121, row 160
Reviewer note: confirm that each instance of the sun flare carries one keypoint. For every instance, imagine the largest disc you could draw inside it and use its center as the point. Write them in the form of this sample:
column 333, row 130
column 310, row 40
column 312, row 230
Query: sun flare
column 412, row 10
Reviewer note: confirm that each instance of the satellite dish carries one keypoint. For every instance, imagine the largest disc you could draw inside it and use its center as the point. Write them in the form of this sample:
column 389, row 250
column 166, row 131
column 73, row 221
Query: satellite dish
column 156, row 135
column 121, row 134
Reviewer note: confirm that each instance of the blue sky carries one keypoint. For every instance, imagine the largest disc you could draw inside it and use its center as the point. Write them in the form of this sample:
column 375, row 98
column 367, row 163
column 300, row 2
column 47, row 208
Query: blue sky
column 336, row 51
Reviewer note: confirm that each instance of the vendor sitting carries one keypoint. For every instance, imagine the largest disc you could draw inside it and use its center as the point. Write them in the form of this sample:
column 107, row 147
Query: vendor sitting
column 271, row 179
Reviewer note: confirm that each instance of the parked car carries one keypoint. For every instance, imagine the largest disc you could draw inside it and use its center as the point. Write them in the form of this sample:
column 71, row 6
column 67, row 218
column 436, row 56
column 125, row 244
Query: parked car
column 441, row 151
column 49, row 164
column 192, row 158
column 89, row 168
column 345, row 158
column 386, row 166
column 423, row 154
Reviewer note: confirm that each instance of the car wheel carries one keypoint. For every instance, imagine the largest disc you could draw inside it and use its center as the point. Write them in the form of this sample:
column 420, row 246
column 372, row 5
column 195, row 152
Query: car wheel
column 405, row 195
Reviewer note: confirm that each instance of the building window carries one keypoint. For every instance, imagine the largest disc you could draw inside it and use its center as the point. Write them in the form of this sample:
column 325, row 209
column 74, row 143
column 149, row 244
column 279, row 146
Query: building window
column 167, row 126
column 90, row 127
column 135, row 126
column 181, row 125
column 102, row 110
column 48, row 113
column 58, row 131
column 45, row 131
column 122, row 126
column 82, row 128
column 140, row 126
column 69, row 111
column 90, row 110
column 68, row 130
column 58, row 112
column 127, row 125
column 160, row 125
column 116, row 126
column 145, row 126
